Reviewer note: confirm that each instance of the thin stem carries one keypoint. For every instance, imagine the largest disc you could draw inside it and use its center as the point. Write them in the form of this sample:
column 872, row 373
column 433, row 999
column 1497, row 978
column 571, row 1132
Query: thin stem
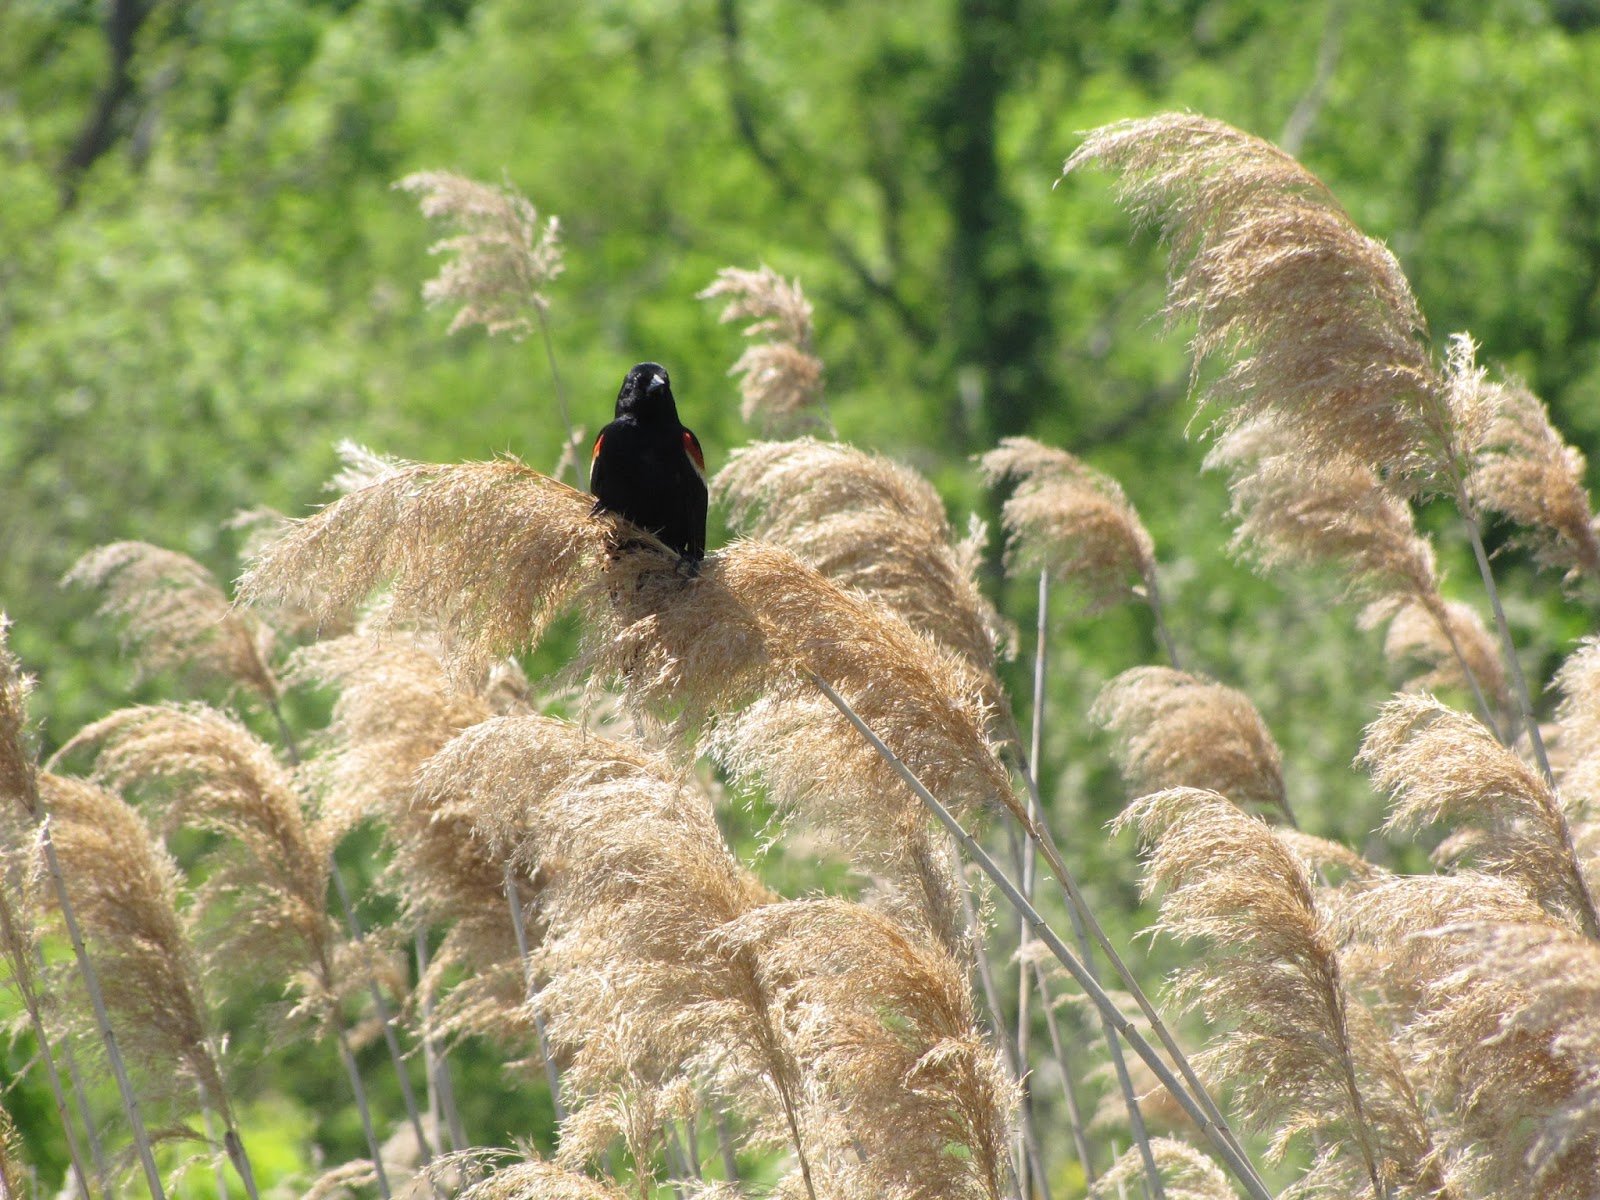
column 730, row 1163
column 381, row 1006
column 1029, row 1159
column 1152, row 595
column 1519, row 681
column 551, row 1077
column 80, row 1097
column 347, row 1056
column 218, row 1170
column 570, row 452
column 1441, row 618
column 91, row 981
column 22, row 976
column 1224, row 1144
column 1080, row 1136
column 442, row 1089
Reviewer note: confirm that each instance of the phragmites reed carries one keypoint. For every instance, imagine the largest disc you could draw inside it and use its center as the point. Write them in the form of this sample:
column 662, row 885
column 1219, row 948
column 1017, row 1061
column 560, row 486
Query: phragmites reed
column 395, row 709
column 869, row 523
column 732, row 652
column 1443, row 644
column 1439, row 765
column 1319, row 317
column 885, row 1024
column 759, row 614
column 1308, row 1055
column 487, row 552
column 500, row 262
column 1073, row 521
column 175, row 616
column 124, row 888
column 780, row 382
column 206, row 770
column 1528, row 474
column 1186, row 1174
column 535, row 1180
column 1498, row 1001
column 637, row 878
column 1174, row 729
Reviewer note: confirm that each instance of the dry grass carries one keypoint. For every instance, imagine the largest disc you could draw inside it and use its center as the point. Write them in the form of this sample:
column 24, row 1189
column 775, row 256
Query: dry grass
column 1072, row 520
column 780, row 379
column 501, row 259
column 704, row 1010
column 1174, row 729
column 485, row 552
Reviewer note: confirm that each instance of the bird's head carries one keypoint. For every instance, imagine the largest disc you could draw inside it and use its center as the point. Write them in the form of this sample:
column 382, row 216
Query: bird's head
column 646, row 394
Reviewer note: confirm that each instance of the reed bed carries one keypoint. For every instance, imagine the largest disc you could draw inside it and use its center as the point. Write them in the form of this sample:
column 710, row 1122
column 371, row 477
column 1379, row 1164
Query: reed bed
column 761, row 893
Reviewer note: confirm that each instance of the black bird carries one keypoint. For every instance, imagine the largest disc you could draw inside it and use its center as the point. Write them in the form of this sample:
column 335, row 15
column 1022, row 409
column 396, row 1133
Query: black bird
column 649, row 469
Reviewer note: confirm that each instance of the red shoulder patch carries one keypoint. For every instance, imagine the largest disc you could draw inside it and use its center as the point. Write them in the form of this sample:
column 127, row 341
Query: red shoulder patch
column 597, row 442
column 691, row 447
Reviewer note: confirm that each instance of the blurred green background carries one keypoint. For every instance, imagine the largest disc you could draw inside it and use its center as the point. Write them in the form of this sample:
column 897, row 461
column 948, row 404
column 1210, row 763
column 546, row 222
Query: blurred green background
column 206, row 279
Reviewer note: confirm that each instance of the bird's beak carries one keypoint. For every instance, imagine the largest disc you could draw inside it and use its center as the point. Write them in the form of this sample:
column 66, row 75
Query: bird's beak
column 658, row 380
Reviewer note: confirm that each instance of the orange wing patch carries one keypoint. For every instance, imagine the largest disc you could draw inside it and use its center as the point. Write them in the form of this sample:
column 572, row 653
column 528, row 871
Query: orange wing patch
column 691, row 447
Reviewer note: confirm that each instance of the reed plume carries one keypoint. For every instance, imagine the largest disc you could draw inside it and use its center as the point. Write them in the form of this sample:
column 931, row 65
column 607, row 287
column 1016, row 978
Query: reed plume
column 866, row 522
column 1500, row 1016
column 485, row 552
column 885, row 1026
column 1186, row 1174
column 1318, row 318
column 1308, row 1057
column 499, row 264
column 732, row 653
column 174, row 616
column 125, row 889
column 1174, row 729
column 1072, row 520
column 780, row 379
column 201, row 768
column 1442, row 644
column 1528, row 474
column 1439, row 765
column 637, row 877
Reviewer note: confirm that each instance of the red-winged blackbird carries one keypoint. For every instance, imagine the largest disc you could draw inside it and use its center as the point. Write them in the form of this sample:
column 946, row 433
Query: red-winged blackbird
column 648, row 468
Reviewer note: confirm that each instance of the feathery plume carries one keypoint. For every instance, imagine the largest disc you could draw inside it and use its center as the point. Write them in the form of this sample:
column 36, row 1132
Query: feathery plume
column 885, row 1024
column 503, row 258
column 1318, row 316
column 396, row 708
column 1298, row 507
column 636, row 879
column 487, row 552
column 533, row 1179
column 1186, row 1174
column 1174, row 729
column 733, row 652
column 1504, row 1026
column 1441, row 765
column 19, row 810
column 176, row 617
column 1447, row 639
column 205, row 769
column 780, row 378
column 759, row 615
column 1528, row 474
column 124, row 889
column 1314, row 1059
column 866, row 522
column 1072, row 520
